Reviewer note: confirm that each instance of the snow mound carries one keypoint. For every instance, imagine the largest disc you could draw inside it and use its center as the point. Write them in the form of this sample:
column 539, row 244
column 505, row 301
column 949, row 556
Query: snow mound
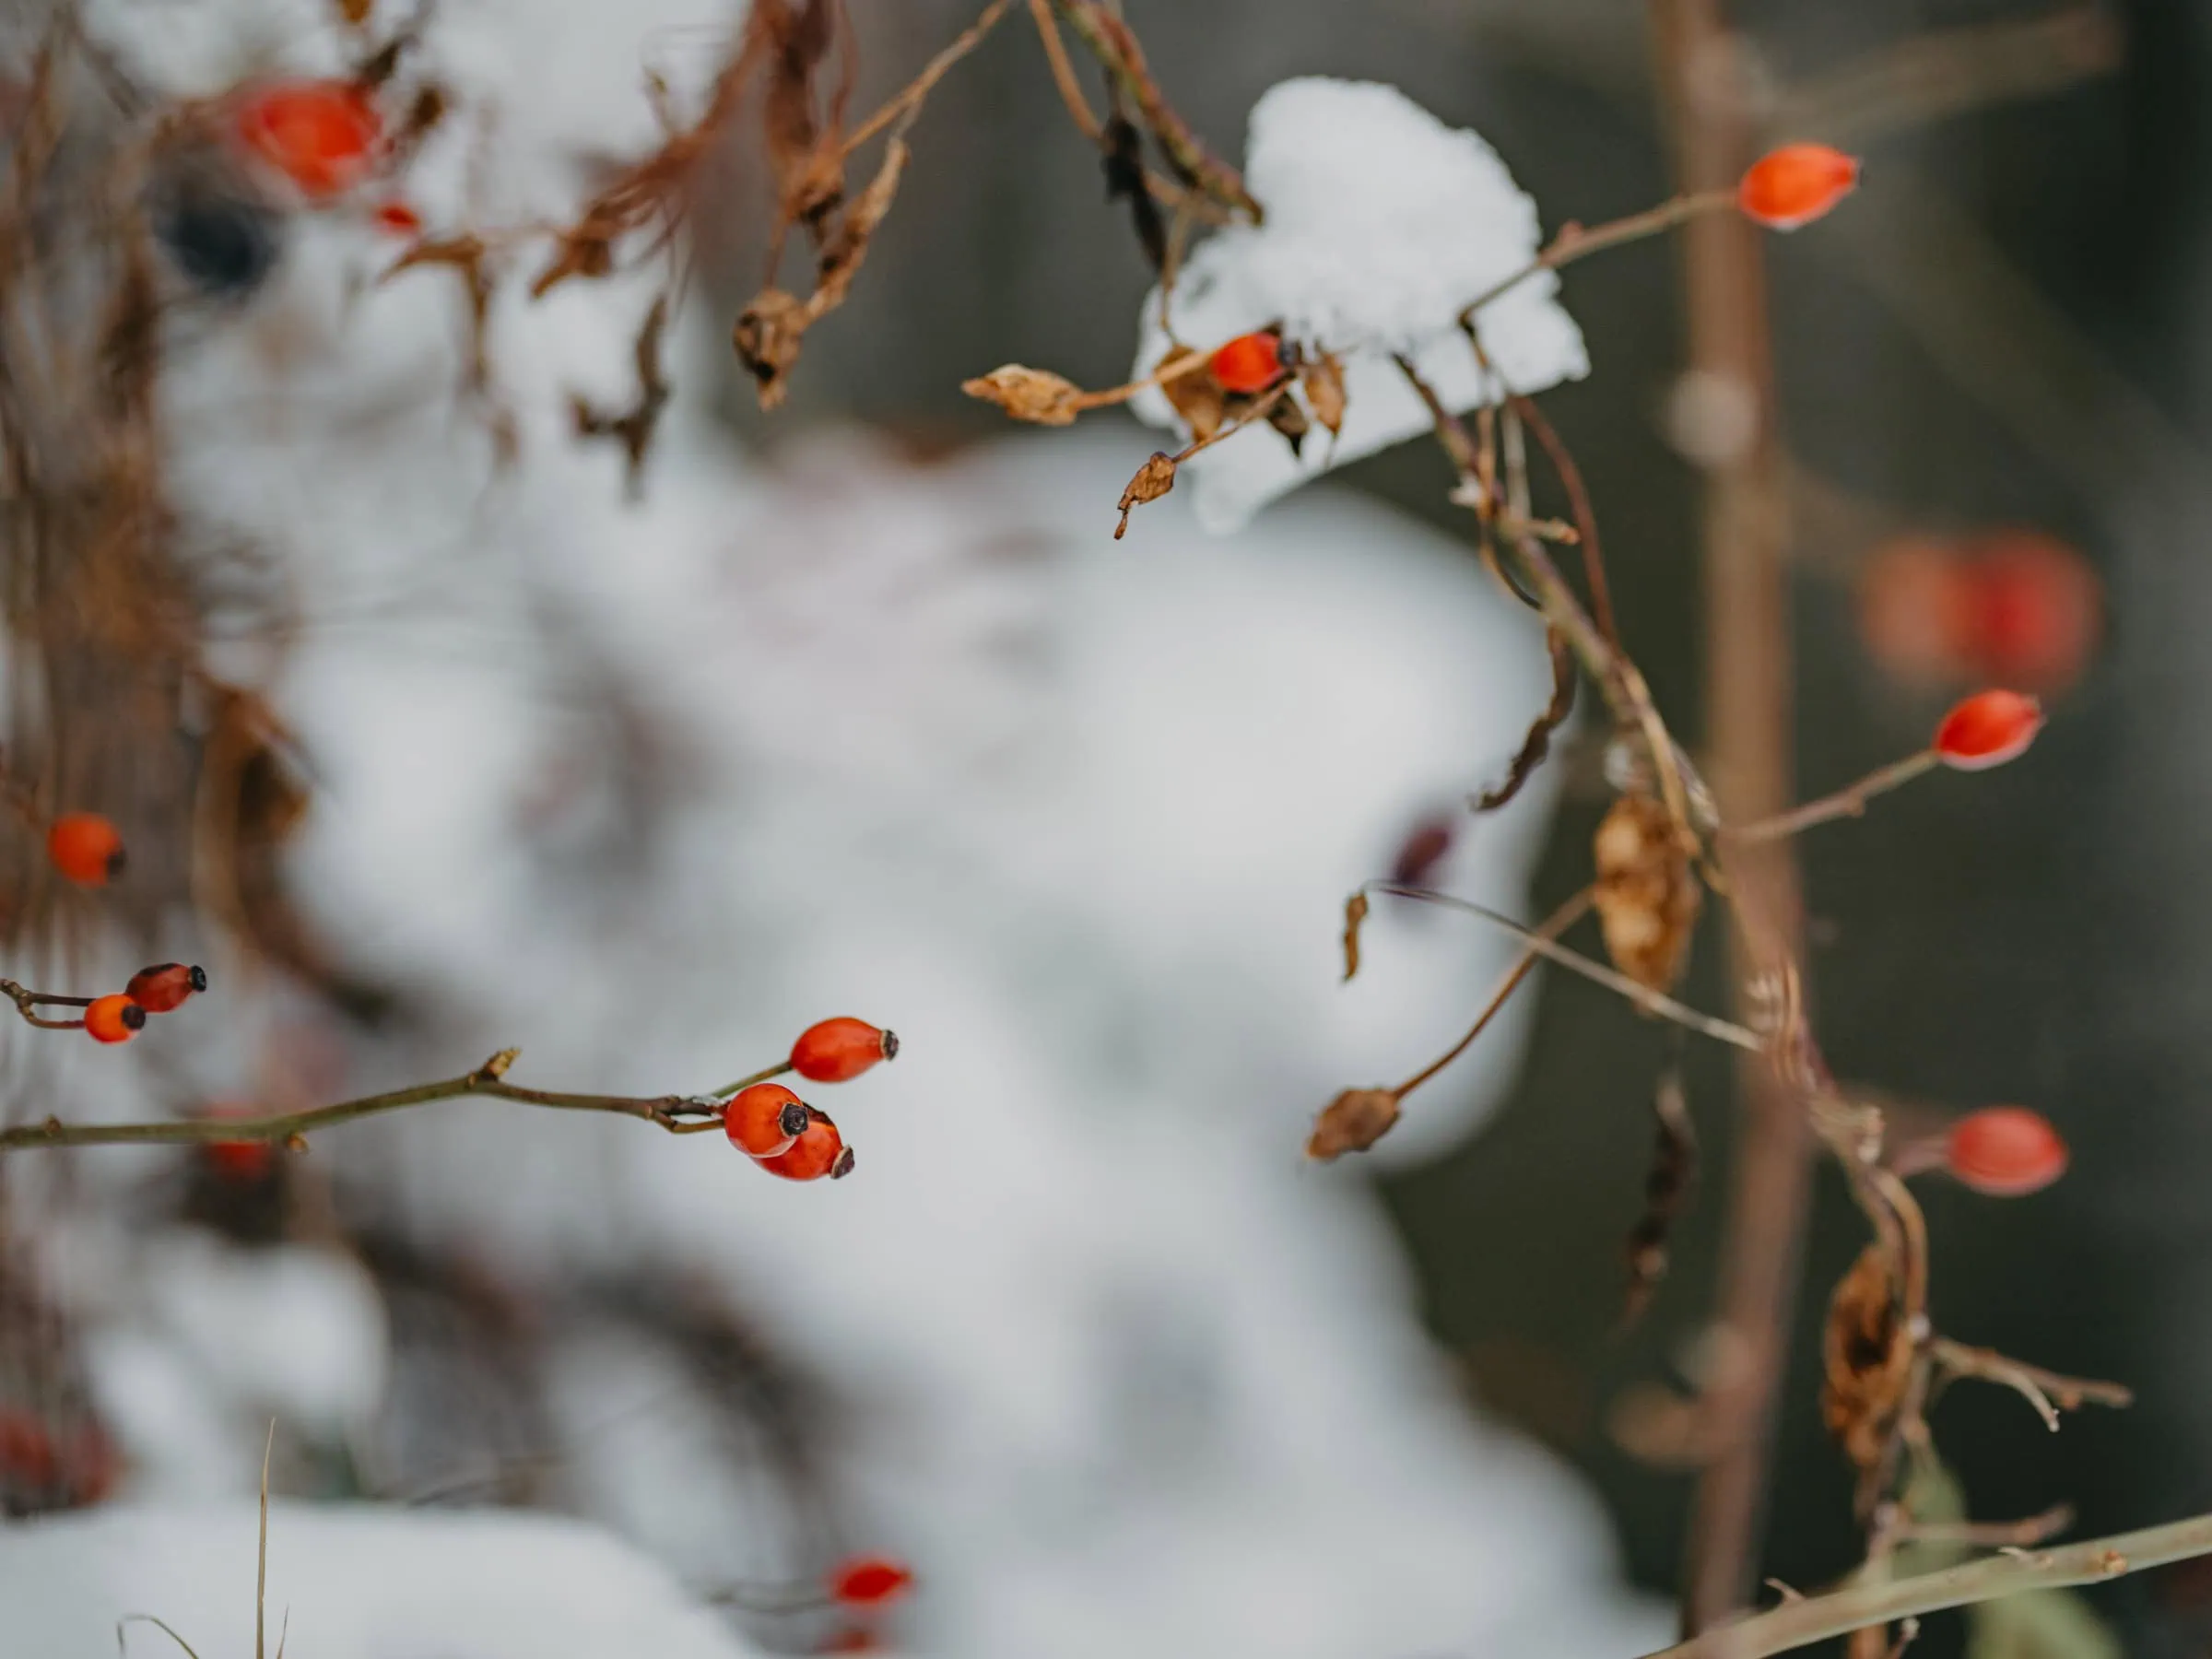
column 1383, row 223
column 354, row 1582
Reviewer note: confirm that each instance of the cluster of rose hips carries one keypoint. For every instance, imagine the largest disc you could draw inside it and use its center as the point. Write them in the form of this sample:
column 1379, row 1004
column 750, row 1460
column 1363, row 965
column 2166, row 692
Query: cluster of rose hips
column 160, row 989
column 781, row 1133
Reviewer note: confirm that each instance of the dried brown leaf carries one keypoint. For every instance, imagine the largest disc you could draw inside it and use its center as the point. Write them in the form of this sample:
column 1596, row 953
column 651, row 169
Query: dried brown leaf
column 1666, row 1186
column 1032, row 395
column 1647, row 893
column 1353, row 1122
column 1536, row 745
column 1355, row 914
column 1321, row 377
column 1197, row 398
column 1153, row 479
column 767, row 336
column 1287, row 417
column 1867, row 1356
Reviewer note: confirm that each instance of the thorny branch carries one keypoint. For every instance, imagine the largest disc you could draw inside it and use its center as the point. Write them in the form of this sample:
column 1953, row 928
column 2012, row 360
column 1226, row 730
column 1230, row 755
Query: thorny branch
column 1802, row 1622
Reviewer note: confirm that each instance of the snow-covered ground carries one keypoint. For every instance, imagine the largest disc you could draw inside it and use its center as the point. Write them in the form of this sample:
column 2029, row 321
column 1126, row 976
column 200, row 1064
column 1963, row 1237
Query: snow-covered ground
column 645, row 788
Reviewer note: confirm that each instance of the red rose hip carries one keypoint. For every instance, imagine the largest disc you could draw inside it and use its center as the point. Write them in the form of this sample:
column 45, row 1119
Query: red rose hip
column 86, row 848
column 322, row 134
column 836, row 1050
column 869, row 1580
column 165, row 986
column 819, row 1150
column 764, row 1120
column 1794, row 185
column 1988, row 729
column 114, row 1018
column 2004, row 1151
column 1247, row 364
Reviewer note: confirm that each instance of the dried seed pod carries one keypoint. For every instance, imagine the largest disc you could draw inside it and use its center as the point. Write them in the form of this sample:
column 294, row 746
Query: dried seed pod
column 1153, row 479
column 1647, row 895
column 1353, row 1122
column 1666, row 1186
column 1032, row 395
column 1869, row 1356
column 767, row 336
column 1355, row 917
column 1321, row 377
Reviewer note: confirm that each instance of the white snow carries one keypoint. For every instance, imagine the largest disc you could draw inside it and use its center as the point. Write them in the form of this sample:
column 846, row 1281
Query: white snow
column 344, row 1583
column 1382, row 224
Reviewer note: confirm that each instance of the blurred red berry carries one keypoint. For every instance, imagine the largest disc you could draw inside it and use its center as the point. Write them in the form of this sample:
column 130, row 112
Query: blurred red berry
column 399, row 218
column 26, row 1454
column 764, row 1120
column 836, row 1050
column 2004, row 1151
column 2028, row 610
column 869, row 1580
column 114, row 1018
column 86, row 848
column 165, row 986
column 1425, row 847
column 1911, row 599
column 1796, row 184
column 322, row 135
column 819, row 1150
column 1988, row 729
column 1249, row 363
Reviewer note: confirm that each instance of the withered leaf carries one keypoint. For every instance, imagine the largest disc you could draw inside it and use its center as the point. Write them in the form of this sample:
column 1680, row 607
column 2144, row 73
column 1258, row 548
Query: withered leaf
column 1355, row 914
column 767, row 336
column 1153, row 479
column 1287, row 417
column 1033, row 394
column 1196, row 396
column 1321, row 377
column 1125, row 177
column 1537, row 744
column 1353, row 1122
column 1647, row 894
column 1867, row 1356
column 1667, row 1185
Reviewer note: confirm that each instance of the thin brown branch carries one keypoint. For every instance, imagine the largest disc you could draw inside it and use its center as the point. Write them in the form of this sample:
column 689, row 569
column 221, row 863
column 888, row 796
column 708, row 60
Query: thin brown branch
column 1551, row 927
column 910, row 100
column 1575, row 243
column 1652, row 1002
column 1113, row 43
column 679, row 1114
column 1586, row 516
column 1848, row 801
column 2048, row 1392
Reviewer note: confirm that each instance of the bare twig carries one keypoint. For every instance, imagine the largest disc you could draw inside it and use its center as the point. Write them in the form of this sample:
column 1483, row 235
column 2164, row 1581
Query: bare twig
column 2048, row 1392
column 680, row 1115
column 1112, row 42
column 1550, row 928
column 1848, row 801
column 1644, row 996
column 1574, row 242
column 2024, row 1533
column 931, row 73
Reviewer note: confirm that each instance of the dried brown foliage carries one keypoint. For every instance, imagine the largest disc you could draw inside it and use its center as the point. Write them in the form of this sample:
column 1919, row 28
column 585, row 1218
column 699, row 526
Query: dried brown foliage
column 1868, row 1355
column 1648, row 896
column 1153, row 479
column 1353, row 1122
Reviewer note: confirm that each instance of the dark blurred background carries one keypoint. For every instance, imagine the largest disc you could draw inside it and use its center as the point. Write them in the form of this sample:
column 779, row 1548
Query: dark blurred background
column 2002, row 336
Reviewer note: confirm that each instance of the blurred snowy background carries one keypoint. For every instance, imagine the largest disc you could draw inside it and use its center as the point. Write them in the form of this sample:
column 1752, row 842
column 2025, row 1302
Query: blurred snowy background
column 874, row 719
column 644, row 787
